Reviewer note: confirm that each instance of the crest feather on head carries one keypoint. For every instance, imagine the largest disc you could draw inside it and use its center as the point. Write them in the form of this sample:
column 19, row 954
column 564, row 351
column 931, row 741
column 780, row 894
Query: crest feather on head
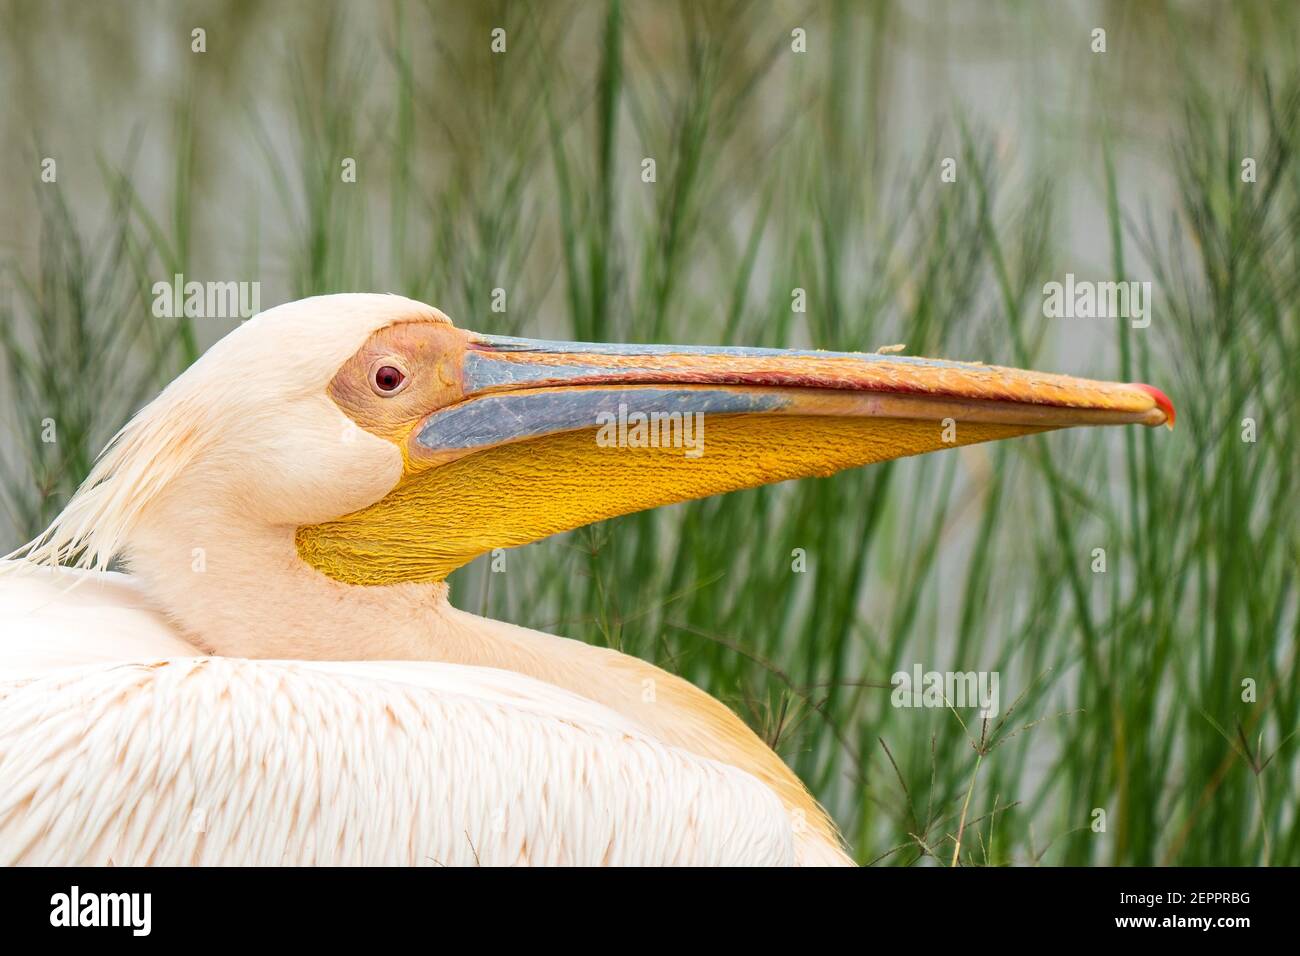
column 137, row 464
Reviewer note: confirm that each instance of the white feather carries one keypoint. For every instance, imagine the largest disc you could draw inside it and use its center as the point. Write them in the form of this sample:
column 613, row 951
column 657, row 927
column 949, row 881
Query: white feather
column 159, row 758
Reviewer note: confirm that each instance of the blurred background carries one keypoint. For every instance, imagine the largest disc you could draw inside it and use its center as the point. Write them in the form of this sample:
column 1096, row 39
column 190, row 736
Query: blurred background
column 796, row 145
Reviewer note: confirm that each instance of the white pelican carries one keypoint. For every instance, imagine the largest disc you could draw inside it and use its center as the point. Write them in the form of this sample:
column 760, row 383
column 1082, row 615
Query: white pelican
column 280, row 677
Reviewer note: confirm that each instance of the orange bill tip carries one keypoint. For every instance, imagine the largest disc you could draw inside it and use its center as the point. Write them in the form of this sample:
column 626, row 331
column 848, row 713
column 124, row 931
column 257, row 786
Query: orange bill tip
column 1162, row 401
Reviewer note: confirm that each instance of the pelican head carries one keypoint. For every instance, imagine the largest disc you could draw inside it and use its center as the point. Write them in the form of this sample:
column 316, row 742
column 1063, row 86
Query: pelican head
column 392, row 447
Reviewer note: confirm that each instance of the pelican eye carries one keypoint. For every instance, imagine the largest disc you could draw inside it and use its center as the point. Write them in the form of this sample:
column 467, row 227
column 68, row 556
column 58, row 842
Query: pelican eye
column 387, row 379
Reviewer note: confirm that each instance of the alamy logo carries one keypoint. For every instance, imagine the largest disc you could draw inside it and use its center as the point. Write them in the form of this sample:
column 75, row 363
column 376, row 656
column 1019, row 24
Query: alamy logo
column 651, row 430
column 922, row 688
column 103, row 909
column 1083, row 299
column 206, row 300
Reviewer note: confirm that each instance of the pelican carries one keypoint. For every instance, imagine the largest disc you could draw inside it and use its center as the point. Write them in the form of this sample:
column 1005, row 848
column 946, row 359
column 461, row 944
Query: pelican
column 279, row 677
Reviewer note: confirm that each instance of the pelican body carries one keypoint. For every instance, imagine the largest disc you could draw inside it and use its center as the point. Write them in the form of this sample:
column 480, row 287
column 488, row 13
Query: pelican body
column 279, row 677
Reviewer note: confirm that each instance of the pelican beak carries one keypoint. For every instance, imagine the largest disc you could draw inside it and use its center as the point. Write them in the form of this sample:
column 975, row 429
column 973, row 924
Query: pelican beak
column 551, row 436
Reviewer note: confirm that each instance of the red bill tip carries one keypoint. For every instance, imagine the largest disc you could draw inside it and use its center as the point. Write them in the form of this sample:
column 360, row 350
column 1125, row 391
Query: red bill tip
column 1162, row 401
